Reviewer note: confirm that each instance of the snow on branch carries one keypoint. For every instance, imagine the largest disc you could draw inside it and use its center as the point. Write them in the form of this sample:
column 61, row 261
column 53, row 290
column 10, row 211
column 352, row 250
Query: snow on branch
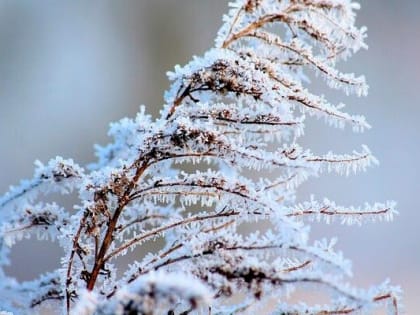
column 58, row 175
column 44, row 220
column 152, row 294
column 241, row 109
column 328, row 211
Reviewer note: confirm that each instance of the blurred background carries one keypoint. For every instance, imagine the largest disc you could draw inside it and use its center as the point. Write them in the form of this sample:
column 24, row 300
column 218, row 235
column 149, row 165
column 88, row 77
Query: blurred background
column 68, row 68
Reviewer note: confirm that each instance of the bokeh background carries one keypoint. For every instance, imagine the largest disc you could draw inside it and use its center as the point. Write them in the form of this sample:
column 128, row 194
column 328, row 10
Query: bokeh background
column 69, row 67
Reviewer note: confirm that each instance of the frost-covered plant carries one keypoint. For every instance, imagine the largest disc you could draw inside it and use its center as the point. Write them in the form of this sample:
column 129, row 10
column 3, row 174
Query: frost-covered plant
column 228, row 108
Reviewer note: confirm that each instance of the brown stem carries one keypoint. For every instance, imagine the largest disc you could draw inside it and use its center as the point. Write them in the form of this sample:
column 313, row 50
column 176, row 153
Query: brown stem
column 178, row 101
column 71, row 259
column 334, row 212
column 164, row 228
column 107, row 241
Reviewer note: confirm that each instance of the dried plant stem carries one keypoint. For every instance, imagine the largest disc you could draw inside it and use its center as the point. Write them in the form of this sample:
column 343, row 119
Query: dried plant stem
column 108, row 239
column 241, row 108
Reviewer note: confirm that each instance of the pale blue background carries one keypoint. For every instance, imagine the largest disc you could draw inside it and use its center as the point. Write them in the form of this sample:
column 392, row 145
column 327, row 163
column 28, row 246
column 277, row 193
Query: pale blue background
column 68, row 68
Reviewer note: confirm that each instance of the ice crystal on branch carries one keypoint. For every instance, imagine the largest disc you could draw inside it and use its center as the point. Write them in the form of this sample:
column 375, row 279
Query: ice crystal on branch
column 228, row 108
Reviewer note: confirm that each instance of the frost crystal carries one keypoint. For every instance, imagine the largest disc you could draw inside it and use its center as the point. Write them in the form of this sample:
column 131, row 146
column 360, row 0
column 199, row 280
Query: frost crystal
column 241, row 109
